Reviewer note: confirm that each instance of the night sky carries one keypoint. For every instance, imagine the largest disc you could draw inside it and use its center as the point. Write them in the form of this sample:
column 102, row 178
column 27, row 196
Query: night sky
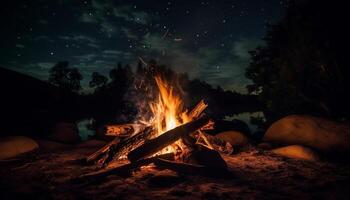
column 207, row 39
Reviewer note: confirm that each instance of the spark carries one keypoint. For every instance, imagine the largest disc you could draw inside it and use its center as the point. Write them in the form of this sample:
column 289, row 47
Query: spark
column 165, row 34
column 143, row 62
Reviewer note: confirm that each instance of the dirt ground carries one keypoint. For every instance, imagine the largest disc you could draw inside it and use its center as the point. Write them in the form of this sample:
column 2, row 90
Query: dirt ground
column 256, row 174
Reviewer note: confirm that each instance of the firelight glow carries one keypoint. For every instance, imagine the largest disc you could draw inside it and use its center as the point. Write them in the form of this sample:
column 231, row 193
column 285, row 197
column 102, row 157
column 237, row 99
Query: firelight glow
column 168, row 111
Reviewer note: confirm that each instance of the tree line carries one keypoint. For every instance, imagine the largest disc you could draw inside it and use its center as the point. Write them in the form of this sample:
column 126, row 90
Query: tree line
column 124, row 95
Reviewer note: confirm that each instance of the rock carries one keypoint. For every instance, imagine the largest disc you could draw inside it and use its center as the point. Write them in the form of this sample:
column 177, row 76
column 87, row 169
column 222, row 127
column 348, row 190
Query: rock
column 204, row 156
column 47, row 145
column 297, row 152
column 318, row 133
column 235, row 138
column 16, row 145
column 65, row 132
column 265, row 145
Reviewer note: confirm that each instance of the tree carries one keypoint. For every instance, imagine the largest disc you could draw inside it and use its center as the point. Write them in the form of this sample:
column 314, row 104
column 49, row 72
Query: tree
column 65, row 77
column 98, row 80
column 303, row 68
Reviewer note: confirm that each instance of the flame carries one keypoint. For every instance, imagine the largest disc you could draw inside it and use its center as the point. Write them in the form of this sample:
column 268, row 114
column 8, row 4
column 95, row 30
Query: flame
column 168, row 111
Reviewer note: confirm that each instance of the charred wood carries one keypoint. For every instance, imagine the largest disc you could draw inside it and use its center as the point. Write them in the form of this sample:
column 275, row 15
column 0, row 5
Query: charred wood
column 154, row 145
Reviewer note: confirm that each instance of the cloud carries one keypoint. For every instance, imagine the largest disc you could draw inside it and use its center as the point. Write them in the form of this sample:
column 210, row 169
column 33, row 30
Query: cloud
column 82, row 39
column 86, row 57
column 242, row 47
column 98, row 17
column 129, row 14
column 129, row 34
column 88, row 18
column 44, row 37
column 42, row 21
column 105, row 17
column 224, row 67
column 20, row 46
column 108, row 28
column 116, row 54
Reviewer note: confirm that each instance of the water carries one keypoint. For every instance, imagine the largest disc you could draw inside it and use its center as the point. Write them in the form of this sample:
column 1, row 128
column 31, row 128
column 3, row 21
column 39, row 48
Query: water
column 84, row 131
column 245, row 117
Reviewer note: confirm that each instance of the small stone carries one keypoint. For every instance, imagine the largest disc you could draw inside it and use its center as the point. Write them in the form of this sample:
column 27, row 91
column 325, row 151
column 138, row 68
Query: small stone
column 297, row 152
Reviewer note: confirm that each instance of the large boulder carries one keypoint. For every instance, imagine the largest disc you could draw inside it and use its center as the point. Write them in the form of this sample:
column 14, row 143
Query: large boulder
column 65, row 132
column 297, row 152
column 16, row 145
column 49, row 146
column 235, row 138
column 318, row 133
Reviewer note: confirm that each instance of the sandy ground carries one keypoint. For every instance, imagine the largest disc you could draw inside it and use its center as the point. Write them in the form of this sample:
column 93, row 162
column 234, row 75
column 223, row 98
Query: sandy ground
column 257, row 174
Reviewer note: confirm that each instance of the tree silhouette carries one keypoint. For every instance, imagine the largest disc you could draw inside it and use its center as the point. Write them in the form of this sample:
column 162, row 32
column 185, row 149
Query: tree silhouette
column 98, row 80
column 65, row 77
column 303, row 67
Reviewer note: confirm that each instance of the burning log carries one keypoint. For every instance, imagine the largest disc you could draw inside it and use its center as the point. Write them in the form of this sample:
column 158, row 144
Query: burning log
column 154, row 145
column 101, row 151
column 194, row 114
column 198, row 110
column 121, row 149
column 123, row 130
column 117, row 148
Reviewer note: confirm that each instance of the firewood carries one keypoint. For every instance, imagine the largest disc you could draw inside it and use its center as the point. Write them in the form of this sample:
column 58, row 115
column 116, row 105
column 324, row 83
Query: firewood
column 192, row 169
column 122, row 170
column 123, row 130
column 198, row 110
column 104, row 149
column 215, row 143
column 154, row 145
column 122, row 148
column 187, row 140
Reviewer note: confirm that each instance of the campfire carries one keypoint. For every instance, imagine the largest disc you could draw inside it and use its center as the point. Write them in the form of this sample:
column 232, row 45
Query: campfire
column 173, row 138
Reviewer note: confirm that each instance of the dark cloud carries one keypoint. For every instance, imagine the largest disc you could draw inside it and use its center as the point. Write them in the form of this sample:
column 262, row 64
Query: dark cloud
column 209, row 40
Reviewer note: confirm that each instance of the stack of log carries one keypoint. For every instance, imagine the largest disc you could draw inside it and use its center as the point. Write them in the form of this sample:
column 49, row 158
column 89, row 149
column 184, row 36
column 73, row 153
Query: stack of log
column 202, row 154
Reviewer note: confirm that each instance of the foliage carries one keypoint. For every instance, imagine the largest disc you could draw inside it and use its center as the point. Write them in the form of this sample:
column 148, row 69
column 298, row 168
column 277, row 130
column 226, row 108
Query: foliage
column 65, row 77
column 303, row 67
column 98, row 80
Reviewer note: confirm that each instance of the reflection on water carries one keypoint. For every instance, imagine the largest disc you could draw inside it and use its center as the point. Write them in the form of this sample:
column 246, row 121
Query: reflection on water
column 246, row 118
column 84, row 131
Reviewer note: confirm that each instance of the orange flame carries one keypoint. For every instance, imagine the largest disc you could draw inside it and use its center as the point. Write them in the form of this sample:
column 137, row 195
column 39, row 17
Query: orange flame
column 168, row 111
